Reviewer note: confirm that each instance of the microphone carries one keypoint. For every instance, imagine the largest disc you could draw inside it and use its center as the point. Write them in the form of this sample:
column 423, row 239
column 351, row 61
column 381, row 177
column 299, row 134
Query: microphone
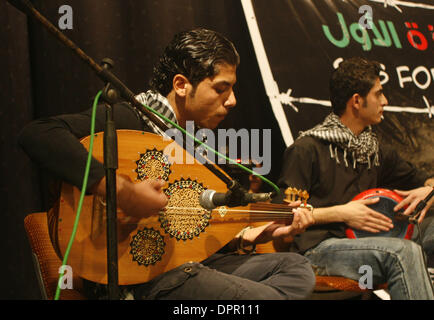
column 210, row 199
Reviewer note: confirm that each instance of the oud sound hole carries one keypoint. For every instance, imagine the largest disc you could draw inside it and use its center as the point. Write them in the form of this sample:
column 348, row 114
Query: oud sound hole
column 153, row 164
column 147, row 247
column 184, row 218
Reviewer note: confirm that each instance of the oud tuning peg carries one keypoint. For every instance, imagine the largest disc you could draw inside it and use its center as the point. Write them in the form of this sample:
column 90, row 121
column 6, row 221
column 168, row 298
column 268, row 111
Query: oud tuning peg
column 305, row 196
column 295, row 194
column 289, row 192
column 300, row 194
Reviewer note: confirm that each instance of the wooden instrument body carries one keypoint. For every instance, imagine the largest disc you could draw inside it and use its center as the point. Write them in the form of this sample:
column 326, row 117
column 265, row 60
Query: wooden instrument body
column 147, row 237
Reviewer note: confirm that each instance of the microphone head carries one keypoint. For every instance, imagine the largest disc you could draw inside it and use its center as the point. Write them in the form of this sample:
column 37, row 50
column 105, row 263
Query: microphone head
column 205, row 199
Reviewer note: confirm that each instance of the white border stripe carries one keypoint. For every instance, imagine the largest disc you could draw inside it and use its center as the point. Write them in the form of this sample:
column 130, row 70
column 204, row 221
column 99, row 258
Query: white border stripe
column 270, row 84
column 288, row 100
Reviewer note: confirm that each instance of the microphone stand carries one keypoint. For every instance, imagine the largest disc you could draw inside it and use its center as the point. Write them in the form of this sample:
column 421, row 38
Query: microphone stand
column 110, row 96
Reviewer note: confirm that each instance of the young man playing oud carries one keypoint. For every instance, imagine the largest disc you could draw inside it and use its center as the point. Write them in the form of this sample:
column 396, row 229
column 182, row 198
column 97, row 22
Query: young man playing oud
column 193, row 80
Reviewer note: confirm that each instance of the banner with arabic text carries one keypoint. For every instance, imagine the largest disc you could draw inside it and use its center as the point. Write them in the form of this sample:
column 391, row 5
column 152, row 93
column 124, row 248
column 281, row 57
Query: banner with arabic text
column 304, row 40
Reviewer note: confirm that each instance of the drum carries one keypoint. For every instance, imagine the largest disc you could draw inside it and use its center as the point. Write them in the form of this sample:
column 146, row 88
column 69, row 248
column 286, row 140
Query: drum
column 388, row 200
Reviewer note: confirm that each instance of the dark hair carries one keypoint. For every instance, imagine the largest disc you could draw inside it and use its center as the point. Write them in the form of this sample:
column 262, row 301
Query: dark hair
column 354, row 75
column 194, row 54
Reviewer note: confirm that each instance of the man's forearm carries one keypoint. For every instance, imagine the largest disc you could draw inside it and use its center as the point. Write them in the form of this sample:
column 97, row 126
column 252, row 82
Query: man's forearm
column 327, row 215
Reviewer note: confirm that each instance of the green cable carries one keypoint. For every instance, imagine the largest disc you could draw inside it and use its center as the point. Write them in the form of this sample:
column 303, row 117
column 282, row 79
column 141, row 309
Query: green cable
column 212, row 150
column 83, row 192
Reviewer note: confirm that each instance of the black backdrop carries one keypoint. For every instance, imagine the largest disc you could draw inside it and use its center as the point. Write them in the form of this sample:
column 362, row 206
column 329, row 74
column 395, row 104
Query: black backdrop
column 39, row 77
column 305, row 39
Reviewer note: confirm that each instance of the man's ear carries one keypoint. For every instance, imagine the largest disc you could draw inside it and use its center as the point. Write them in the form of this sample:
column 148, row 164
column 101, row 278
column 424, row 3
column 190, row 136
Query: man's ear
column 180, row 85
column 356, row 101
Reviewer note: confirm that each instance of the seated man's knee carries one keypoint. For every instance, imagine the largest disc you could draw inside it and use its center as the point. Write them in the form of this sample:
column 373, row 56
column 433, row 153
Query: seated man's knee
column 406, row 249
column 300, row 265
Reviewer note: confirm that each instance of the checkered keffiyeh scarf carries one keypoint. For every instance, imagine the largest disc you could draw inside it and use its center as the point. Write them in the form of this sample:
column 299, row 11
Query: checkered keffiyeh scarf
column 361, row 148
column 160, row 104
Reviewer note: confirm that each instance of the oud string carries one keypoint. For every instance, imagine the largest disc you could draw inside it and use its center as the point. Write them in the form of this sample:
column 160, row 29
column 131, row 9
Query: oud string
column 228, row 211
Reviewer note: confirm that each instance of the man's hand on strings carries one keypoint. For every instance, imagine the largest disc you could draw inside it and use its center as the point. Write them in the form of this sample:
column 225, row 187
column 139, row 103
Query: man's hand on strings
column 280, row 230
column 302, row 219
column 137, row 200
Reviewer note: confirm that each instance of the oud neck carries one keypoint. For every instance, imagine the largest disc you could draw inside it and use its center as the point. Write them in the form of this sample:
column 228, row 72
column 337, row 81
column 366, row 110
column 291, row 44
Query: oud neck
column 260, row 212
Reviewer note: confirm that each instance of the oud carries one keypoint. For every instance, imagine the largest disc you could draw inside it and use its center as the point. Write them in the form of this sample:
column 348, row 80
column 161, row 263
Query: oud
column 182, row 232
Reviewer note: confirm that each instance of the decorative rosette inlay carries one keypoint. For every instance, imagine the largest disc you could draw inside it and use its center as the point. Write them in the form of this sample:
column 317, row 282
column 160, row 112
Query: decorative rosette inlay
column 184, row 218
column 153, row 164
column 147, row 246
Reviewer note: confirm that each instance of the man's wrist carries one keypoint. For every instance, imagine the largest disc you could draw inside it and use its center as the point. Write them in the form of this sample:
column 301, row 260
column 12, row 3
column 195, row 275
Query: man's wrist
column 124, row 191
column 429, row 182
column 242, row 246
column 329, row 215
